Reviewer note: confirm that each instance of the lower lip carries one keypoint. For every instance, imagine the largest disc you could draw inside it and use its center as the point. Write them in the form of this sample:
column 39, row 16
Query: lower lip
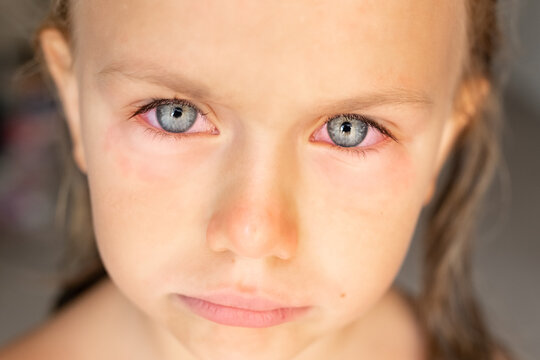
column 232, row 316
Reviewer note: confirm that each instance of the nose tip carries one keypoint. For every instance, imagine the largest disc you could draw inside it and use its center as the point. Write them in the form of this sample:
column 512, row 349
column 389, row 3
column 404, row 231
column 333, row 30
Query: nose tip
column 253, row 230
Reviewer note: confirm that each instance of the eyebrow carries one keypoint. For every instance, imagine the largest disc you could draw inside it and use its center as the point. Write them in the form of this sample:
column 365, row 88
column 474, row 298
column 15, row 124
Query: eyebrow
column 392, row 96
column 161, row 77
column 178, row 82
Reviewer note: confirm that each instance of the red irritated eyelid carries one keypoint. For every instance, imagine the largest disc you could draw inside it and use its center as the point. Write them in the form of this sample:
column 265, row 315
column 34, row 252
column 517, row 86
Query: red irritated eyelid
column 201, row 124
column 373, row 137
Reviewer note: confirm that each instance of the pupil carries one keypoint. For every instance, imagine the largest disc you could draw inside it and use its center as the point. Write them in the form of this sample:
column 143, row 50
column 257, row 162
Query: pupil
column 346, row 127
column 177, row 112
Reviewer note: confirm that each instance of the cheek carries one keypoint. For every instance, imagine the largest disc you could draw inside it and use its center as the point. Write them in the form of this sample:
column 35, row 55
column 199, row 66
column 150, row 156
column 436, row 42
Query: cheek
column 148, row 205
column 360, row 220
column 140, row 157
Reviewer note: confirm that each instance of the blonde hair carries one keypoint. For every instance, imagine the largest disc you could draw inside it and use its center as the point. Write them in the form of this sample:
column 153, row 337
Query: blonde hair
column 453, row 322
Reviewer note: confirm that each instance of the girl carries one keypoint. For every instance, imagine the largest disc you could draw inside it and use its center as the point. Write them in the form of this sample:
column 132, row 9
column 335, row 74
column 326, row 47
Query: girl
column 256, row 171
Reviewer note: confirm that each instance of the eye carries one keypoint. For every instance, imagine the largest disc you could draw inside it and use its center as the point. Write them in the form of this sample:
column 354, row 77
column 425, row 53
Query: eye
column 350, row 131
column 346, row 132
column 175, row 117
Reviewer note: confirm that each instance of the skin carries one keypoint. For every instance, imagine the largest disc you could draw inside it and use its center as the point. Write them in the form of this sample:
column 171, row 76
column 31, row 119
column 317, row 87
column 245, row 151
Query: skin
column 262, row 206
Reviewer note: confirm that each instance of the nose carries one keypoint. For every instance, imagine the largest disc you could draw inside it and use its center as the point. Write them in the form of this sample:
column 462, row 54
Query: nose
column 256, row 217
column 253, row 230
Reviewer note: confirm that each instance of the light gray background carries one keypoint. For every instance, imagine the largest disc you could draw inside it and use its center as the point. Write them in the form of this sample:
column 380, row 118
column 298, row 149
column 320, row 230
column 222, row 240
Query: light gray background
column 507, row 262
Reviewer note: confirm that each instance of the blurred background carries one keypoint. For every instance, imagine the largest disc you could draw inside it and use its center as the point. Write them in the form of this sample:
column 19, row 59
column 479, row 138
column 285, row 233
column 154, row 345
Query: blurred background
column 507, row 266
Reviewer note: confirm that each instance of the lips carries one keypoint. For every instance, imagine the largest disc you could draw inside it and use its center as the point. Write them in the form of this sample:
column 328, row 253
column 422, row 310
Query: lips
column 238, row 310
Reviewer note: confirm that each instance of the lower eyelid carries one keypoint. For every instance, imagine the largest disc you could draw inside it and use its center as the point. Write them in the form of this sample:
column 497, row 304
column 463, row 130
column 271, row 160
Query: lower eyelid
column 156, row 134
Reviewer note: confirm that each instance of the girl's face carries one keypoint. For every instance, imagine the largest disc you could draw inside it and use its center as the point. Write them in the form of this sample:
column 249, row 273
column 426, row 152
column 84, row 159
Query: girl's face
column 260, row 198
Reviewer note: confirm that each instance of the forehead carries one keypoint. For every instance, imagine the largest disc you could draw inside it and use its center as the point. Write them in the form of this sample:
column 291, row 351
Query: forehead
column 301, row 50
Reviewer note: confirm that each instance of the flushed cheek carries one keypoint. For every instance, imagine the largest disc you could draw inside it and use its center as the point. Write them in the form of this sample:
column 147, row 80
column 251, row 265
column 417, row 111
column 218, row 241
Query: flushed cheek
column 374, row 203
column 153, row 160
column 147, row 200
column 371, row 182
column 359, row 222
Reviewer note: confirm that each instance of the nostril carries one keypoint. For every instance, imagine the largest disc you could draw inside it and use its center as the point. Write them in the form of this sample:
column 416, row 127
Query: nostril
column 286, row 248
column 214, row 239
column 284, row 255
column 219, row 248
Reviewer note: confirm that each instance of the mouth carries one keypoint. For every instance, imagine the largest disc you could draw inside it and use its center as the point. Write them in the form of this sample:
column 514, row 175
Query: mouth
column 235, row 310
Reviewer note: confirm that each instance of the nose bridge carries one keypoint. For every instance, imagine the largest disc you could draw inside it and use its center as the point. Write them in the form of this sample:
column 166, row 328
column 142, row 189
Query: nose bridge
column 256, row 216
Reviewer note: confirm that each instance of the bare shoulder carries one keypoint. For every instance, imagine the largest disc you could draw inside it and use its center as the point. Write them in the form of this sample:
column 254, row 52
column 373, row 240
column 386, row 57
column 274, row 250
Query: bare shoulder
column 74, row 328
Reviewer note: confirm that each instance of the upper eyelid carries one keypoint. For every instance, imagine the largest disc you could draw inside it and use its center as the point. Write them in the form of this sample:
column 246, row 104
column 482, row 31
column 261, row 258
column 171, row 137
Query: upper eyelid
column 158, row 102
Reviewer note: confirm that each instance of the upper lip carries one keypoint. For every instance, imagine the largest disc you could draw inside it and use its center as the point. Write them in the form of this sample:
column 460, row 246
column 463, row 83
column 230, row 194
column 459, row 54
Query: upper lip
column 243, row 301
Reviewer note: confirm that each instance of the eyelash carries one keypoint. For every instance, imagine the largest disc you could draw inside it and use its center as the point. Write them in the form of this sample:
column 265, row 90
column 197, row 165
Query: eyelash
column 158, row 102
column 360, row 152
column 155, row 133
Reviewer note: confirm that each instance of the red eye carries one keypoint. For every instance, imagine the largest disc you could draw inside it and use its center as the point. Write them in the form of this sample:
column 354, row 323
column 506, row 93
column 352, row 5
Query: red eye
column 176, row 117
column 351, row 131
